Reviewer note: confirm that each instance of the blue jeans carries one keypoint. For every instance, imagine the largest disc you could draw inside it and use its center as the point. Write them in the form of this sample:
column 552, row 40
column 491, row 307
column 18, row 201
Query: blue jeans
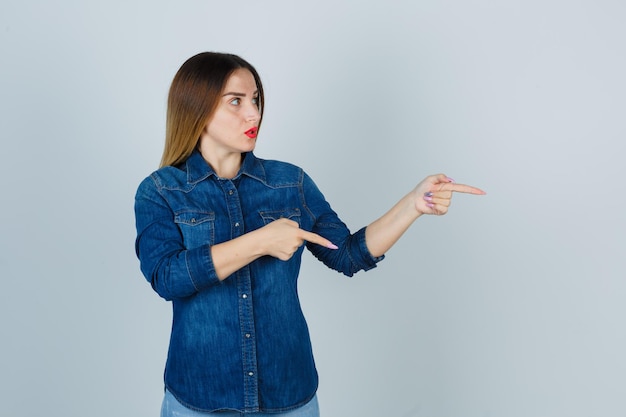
column 172, row 408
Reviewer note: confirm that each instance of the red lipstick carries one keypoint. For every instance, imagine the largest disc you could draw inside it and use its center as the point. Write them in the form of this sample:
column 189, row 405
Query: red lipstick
column 252, row 132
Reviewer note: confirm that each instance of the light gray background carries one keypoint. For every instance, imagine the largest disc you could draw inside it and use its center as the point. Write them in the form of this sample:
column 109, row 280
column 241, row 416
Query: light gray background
column 511, row 305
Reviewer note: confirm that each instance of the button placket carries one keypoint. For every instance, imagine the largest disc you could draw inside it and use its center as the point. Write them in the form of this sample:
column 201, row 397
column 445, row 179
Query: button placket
column 246, row 307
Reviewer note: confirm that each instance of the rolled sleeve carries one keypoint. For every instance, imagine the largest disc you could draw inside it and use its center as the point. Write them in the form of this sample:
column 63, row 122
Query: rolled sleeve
column 353, row 254
column 200, row 266
column 368, row 260
column 172, row 270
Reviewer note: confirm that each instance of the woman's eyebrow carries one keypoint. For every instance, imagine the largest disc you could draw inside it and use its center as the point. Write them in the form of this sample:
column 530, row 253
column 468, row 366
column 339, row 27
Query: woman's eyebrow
column 232, row 93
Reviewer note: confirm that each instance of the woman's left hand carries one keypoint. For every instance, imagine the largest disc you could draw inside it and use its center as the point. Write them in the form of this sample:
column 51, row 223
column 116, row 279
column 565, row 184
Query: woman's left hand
column 434, row 194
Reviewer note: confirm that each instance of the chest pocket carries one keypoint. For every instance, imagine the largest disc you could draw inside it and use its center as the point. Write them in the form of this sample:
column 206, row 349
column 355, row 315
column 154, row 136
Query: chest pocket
column 197, row 228
column 269, row 216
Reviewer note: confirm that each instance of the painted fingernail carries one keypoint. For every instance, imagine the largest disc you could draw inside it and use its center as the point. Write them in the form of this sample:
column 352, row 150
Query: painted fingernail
column 428, row 198
column 450, row 179
column 332, row 246
column 431, row 205
column 428, row 194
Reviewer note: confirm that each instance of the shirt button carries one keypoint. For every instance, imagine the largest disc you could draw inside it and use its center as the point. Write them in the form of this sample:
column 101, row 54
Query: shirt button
column 250, row 373
column 248, row 335
column 244, row 296
column 237, row 224
column 230, row 192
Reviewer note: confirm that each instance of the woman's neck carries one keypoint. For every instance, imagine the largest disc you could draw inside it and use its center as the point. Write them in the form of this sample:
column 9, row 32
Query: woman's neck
column 225, row 166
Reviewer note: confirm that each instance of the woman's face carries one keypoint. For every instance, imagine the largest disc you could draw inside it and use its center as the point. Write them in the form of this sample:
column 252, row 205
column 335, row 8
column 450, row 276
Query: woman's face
column 233, row 127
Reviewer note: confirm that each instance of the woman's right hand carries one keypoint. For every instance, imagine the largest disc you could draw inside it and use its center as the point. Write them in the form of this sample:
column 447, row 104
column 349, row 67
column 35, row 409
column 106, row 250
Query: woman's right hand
column 279, row 239
column 283, row 237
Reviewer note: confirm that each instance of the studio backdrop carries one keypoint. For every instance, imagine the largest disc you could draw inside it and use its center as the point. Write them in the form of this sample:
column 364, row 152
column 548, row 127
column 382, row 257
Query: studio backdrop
column 510, row 305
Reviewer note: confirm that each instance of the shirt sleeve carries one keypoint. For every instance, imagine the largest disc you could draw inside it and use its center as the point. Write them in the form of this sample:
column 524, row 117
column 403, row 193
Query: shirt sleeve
column 353, row 254
column 172, row 270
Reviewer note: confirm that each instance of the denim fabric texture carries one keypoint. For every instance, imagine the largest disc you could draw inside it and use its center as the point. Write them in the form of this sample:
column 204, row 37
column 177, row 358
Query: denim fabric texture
column 242, row 343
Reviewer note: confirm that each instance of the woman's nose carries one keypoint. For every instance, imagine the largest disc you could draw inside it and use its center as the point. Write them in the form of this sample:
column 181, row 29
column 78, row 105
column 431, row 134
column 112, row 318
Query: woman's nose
column 252, row 112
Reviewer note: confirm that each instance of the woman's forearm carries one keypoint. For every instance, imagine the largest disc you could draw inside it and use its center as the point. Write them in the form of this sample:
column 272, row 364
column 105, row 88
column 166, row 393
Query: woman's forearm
column 384, row 232
column 230, row 256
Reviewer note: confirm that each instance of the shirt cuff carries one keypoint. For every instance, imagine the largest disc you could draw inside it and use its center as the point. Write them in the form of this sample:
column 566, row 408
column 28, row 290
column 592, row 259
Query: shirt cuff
column 200, row 267
column 368, row 260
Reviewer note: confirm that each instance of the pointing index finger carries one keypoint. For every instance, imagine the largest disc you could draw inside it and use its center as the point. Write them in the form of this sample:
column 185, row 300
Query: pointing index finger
column 317, row 239
column 462, row 188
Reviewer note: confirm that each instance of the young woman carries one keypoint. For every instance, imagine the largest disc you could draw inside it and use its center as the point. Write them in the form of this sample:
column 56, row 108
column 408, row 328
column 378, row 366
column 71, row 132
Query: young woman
column 221, row 233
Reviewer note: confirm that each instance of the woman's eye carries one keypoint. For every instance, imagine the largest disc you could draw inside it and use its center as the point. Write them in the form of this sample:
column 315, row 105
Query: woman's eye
column 235, row 101
column 255, row 101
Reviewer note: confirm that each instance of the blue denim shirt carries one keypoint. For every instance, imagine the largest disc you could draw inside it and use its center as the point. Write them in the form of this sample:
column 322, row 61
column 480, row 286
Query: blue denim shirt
column 242, row 343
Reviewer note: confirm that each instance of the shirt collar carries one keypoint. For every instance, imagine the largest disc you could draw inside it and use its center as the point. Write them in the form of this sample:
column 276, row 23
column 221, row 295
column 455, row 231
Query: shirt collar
column 198, row 169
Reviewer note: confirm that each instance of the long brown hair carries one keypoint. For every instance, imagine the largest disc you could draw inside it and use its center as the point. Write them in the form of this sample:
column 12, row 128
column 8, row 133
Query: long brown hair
column 193, row 98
